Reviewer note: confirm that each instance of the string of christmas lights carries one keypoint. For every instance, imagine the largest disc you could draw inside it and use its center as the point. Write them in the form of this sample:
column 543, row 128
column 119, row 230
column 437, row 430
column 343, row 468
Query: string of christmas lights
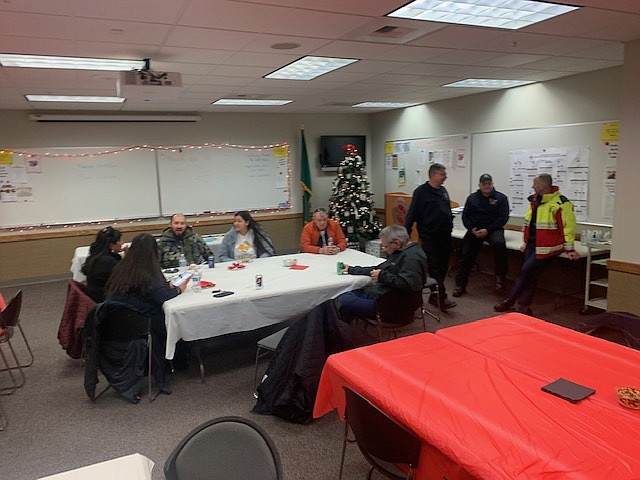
column 131, row 148
column 195, row 218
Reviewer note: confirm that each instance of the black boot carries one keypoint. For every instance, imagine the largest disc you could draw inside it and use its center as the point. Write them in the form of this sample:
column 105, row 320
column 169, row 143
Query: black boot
column 504, row 306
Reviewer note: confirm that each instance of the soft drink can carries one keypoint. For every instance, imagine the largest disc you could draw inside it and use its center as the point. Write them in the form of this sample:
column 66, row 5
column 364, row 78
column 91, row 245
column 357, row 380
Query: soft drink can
column 258, row 282
column 212, row 262
column 340, row 267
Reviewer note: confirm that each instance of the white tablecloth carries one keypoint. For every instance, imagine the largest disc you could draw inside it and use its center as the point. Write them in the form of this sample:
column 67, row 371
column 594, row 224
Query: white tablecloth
column 131, row 467
column 214, row 242
column 285, row 294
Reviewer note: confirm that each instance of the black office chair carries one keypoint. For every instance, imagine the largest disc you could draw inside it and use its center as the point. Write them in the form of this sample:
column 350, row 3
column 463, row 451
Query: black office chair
column 395, row 310
column 118, row 342
column 384, row 442
column 226, row 448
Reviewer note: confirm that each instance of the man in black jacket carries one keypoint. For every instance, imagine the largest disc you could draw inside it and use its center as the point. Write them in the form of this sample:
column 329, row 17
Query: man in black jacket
column 403, row 275
column 431, row 210
column 485, row 214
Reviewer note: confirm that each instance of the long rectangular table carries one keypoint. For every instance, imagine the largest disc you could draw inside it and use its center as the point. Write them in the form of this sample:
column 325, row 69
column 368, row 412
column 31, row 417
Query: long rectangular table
column 473, row 394
column 80, row 254
column 286, row 294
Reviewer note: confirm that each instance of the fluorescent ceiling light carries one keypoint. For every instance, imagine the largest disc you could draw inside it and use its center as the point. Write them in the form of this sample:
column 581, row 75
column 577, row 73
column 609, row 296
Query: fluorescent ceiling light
column 308, row 68
column 42, row 61
column 383, row 105
column 511, row 14
column 74, row 98
column 488, row 83
column 249, row 101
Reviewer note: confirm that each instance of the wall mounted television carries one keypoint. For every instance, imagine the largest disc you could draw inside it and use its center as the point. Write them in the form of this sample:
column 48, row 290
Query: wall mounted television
column 332, row 153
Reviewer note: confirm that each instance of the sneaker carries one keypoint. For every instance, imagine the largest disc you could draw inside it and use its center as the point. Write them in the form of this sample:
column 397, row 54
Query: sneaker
column 446, row 304
column 164, row 389
column 504, row 306
column 459, row 291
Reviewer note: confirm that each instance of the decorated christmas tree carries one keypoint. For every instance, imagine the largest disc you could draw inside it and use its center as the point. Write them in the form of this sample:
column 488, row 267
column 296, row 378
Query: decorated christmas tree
column 350, row 203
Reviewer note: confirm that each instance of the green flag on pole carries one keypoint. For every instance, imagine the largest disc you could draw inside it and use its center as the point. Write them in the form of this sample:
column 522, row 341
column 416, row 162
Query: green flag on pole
column 305, row 179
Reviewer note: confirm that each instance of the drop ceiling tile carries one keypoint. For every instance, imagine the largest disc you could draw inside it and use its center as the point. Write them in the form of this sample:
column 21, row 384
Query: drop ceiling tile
column 307, row 23
column 193, row 37
column 273, row 60
column 359, row 50
column 192, row 55
column 263, row 43
column 149, row 11
column 232, row 15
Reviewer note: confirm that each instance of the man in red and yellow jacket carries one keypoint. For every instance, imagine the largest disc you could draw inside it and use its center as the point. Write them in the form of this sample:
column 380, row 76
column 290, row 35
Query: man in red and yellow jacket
column 549, row 230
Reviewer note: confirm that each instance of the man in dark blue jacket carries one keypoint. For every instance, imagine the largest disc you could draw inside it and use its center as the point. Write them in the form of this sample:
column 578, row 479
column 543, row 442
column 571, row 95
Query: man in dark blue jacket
column 431, row 210
column 485, row 214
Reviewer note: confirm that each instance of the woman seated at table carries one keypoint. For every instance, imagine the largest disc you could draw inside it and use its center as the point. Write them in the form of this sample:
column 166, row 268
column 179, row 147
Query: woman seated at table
column 138, row 282
column 246, row 240
column 104, row 255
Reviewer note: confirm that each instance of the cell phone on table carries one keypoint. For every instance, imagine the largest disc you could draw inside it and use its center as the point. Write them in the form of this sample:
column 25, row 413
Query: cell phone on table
column 183, row 277
column 223, row 294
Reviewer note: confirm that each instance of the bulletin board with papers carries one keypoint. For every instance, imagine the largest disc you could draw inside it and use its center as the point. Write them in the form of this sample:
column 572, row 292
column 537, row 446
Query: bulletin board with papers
column 580, row 157
column 407, row 164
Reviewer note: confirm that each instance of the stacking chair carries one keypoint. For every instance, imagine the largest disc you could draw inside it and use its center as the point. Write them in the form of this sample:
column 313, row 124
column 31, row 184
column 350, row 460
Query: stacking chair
column 395, row 311
column 118, row 343
column 9, row 321
column 227, row 448
column 432, row 285
column 263, row 347
column 384, row 442
column 11, row 318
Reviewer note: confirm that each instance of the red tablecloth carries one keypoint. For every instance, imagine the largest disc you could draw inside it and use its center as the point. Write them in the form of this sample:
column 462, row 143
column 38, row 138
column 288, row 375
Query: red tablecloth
column 482, row 414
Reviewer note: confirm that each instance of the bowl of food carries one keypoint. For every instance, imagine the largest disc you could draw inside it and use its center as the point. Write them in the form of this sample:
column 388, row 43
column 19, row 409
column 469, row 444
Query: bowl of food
column 629, row 397
column 289, row 262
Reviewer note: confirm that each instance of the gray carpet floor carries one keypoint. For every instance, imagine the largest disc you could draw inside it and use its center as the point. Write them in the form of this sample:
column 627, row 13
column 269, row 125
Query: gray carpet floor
column 55, row 427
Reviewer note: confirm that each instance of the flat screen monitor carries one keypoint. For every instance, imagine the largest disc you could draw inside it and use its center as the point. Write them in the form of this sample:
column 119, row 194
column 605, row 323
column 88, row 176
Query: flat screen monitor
column 332, row 153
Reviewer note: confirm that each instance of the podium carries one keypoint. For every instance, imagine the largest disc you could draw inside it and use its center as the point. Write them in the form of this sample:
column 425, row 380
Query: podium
column 396, row 208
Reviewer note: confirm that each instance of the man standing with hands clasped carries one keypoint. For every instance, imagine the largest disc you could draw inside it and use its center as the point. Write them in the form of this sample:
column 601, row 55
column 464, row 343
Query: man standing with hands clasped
column 485, row 214
column 549, row 230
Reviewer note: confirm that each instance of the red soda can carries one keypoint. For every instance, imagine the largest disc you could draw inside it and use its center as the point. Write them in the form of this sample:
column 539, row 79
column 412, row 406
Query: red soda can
column 258, row 282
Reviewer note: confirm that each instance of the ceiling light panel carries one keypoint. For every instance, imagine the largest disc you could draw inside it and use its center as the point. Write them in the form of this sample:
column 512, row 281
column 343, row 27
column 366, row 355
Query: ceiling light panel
column 250, row 102
column 383, row 105
column 74, row 98
column 77, row 63
column 308, row 68
column 488, row 83
column 507, row 14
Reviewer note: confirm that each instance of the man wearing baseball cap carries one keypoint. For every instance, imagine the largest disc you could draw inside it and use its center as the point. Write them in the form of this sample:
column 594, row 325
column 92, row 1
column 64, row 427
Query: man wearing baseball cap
column 485, row 214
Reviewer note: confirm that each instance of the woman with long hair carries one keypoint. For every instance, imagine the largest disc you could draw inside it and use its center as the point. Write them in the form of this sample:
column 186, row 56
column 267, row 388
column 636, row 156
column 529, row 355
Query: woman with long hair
column 138, row 282
column 246, row 240
column 104, row 255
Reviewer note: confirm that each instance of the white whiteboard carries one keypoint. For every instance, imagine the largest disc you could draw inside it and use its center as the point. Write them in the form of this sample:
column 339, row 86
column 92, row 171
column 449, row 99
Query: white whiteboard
column 417, row 155
column 491, row 155
column 84, row 189
column 222, row 180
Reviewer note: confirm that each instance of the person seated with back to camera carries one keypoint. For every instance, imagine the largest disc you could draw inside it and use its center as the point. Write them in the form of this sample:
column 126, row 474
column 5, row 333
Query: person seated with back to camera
column 322, row 235
column 404, row 273
column 178, row 238
column 246, row 240
column 138, row 282
column 104, row 255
